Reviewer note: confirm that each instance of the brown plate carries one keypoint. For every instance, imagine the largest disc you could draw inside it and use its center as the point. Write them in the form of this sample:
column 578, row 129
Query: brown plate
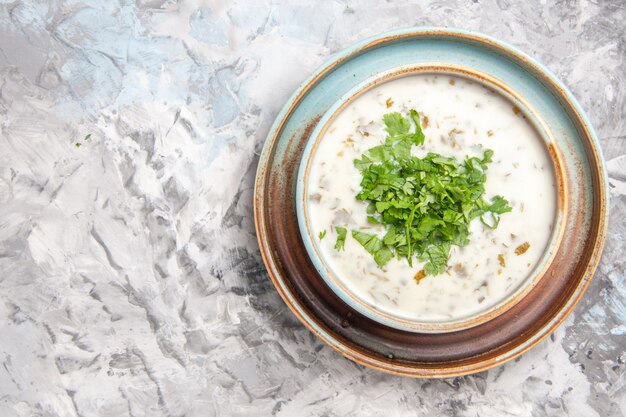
column 470, row 350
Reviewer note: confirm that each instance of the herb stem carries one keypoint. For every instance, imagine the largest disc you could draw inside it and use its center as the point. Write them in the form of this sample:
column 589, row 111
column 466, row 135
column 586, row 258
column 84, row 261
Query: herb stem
column 409, row 224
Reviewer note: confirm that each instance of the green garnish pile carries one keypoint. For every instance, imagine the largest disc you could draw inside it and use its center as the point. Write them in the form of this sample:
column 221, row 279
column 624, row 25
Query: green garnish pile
column 426, row 204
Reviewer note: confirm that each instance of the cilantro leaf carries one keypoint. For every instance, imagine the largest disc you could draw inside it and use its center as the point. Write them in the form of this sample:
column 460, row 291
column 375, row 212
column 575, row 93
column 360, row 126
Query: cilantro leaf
column 363, row 163
column 418, row 136
column 436, row 257
column 370, row 242
column 396, row 124
column 375, row 246
column 372, row 220
column 499, row 205
column 383, row 256
column 322, row 234
column 379, row 153
column 341, row 238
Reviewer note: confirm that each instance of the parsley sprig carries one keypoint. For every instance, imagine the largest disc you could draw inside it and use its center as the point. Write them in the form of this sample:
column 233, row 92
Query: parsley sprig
column 426, row 204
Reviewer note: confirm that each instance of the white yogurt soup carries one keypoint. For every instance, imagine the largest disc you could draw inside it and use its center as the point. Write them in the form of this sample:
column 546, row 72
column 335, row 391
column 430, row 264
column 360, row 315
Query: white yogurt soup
column 459, row 117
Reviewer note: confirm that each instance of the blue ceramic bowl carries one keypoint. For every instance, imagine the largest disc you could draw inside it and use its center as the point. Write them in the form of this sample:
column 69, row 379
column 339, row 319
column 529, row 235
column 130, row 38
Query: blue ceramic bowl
column 333, row 278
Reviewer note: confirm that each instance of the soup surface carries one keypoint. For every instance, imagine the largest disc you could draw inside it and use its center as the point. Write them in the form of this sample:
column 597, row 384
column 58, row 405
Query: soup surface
column 459, row 117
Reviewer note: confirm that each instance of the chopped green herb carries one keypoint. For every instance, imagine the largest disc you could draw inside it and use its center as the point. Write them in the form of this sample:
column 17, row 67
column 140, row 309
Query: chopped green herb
column 86, row 138
column 436, row 257
column 372, row 243
column 322, row 234
column 372, row 220
column 426, row 204
column 341, row 238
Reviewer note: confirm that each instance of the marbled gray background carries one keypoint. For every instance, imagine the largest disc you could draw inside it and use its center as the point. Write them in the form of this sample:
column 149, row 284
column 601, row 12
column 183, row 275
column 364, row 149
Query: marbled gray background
column 130, row 278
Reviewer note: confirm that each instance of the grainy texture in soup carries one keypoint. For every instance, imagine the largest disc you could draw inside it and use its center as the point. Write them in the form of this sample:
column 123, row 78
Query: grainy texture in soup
column 459, row 118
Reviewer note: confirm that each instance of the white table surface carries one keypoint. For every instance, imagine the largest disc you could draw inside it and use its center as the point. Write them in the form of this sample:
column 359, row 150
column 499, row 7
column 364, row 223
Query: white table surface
column 130, row 278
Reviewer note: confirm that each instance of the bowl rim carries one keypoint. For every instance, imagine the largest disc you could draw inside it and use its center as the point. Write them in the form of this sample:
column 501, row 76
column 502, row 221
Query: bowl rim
column 538, row 270
column 508, row 51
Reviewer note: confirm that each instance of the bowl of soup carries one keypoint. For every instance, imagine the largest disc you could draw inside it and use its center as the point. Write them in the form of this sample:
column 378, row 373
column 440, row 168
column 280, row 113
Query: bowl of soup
column 461, row 114
column 431, row 202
